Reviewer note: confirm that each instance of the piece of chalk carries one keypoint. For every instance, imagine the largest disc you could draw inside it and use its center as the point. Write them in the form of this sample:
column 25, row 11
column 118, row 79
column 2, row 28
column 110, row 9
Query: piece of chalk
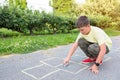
column 65, row 65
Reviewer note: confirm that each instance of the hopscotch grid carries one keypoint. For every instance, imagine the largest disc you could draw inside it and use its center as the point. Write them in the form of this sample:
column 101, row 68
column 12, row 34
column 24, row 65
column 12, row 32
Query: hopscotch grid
column 74, row 72
column 59, row 65
column 44, row 62
column 32, row 67
column 86, row 66
column 82, row 69
column 49, row 59
column 24, row 71
column 67, row 71
column 29, row 75
column 49, row 74
column 58, row 69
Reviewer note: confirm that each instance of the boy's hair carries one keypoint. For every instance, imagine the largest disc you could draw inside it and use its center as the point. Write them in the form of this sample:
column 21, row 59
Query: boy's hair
column 82, row 21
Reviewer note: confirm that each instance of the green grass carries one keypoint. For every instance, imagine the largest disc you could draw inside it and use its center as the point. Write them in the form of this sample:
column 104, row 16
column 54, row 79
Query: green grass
column 112, row 32
column 27, row 44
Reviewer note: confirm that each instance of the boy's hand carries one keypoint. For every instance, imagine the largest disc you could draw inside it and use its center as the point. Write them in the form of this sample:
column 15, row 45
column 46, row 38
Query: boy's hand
column 66, row 61
column 94, row 69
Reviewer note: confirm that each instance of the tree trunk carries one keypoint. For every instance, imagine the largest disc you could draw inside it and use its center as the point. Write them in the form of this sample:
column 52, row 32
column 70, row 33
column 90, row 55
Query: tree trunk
column 31, row 32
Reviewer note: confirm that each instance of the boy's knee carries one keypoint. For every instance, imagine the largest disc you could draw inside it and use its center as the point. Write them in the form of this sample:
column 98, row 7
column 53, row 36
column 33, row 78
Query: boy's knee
column 81, row 41
column 94, row 48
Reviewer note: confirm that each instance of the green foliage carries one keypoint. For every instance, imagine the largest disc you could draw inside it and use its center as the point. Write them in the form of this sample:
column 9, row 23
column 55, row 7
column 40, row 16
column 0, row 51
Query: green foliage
column 112, row 32
column 13, row 18
column 109, row 9
column 95, row 7
column 62, row 6
column 57, row 24
column 116, row 17
column 100, row 21
column 27, row 44
column 32, row 20
column 28, row 21
column 8, row 33
column 18, row 3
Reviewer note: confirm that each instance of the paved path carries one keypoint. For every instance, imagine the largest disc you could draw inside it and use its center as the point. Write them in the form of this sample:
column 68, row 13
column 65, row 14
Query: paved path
column 47, row 65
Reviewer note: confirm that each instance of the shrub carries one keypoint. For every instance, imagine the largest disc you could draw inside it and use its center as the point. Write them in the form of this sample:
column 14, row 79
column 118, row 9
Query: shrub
column 100, row 21
column 8, row 33
column 28, row 21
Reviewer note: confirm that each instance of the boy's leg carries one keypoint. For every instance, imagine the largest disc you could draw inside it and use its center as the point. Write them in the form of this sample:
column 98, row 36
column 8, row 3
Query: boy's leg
column 94, row 50
column 83, row 44
column 90, row 49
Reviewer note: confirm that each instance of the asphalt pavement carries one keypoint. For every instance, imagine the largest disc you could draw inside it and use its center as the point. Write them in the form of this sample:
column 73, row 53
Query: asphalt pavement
column 48, row 65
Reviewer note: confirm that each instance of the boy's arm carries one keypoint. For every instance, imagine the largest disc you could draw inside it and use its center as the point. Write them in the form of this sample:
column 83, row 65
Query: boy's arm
column 72, row 50
column 102, row 52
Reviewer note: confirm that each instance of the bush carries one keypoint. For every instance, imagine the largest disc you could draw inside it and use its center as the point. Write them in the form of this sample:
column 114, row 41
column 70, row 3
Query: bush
column 8, row 33
column 56, row 24
column 28, row 21
column 100, row 21
column 13, row 18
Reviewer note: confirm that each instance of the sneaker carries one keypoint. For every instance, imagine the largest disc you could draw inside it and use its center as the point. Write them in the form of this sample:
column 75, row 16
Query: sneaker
column 88, row 60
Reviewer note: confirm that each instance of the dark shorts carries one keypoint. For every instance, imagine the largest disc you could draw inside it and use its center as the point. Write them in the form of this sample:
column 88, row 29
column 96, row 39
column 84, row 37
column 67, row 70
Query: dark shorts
column 90, row 49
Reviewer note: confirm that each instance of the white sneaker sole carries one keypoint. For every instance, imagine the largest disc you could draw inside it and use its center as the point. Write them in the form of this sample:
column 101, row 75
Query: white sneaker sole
column 85, row 62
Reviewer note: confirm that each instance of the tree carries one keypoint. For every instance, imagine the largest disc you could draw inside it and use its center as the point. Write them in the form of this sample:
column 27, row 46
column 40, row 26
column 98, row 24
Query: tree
column 21, row 3
column 62, row 6
column 100, row 9
column 95, row 7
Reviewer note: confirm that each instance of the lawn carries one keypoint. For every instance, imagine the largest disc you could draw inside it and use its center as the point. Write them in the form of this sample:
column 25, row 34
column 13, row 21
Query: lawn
column 27, row 44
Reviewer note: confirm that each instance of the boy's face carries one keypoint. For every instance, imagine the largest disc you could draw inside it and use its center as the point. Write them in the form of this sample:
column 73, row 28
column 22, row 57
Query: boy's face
column 85, row 30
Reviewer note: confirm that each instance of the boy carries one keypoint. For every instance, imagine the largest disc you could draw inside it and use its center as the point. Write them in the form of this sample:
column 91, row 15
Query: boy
column 94, row 42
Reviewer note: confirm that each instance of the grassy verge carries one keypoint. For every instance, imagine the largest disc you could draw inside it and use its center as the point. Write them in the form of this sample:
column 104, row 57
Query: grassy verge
column 112, row 32
column 26, row 44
